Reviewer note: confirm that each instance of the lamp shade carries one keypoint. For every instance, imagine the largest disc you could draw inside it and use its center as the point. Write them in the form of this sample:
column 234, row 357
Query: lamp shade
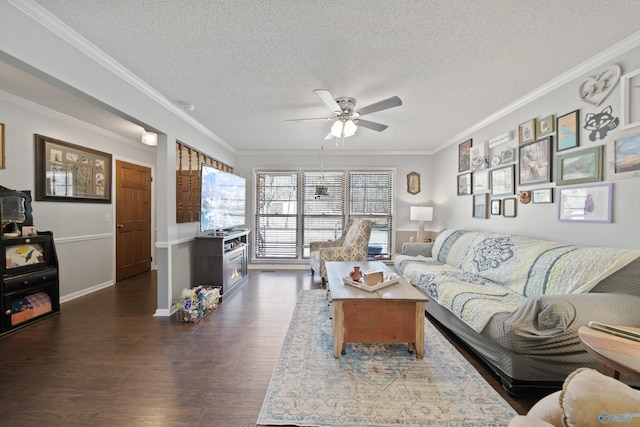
column 421, row 213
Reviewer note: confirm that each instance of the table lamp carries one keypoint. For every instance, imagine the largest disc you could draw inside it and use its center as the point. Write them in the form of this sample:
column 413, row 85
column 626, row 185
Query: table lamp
column 421, row 214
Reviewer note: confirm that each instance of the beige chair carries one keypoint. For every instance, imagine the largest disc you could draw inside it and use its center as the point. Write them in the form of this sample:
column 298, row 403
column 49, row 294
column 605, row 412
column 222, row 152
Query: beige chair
column 587, row 399
column 351, row 246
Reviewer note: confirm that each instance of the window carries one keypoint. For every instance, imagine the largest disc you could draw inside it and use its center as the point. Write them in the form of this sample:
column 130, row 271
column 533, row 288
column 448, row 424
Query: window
column 294, row 208
column 323, row 214
column 370, row 196
column 276, row 215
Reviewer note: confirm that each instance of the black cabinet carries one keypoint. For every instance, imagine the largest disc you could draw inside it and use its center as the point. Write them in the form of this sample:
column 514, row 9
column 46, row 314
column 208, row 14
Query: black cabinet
column 221, row 260
column 30, row 287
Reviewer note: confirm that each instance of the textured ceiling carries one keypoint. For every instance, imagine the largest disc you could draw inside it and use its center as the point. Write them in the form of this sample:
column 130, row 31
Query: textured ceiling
column 248, row 66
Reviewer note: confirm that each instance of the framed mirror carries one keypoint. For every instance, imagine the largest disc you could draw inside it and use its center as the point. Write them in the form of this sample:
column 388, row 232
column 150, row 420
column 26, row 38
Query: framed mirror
column 413, row 183
column 15, row 207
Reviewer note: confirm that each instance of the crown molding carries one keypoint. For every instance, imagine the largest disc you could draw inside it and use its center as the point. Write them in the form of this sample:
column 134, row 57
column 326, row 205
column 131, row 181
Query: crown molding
column 574, row 73
column 29, row 105
column 292, row 153
column 53, row 24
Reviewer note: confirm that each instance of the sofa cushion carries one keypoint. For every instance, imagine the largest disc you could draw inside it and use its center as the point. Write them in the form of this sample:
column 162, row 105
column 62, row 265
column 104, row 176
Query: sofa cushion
column 589, row 398
column 548, row 409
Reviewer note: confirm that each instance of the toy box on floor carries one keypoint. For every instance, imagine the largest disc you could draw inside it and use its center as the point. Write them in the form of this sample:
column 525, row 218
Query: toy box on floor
column 197, row 302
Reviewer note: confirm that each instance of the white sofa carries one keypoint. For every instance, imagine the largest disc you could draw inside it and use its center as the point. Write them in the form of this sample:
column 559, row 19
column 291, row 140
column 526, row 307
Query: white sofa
column 518, row 302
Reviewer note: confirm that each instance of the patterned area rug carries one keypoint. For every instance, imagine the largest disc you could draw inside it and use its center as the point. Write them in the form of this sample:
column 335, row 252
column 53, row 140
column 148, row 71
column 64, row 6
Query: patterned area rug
column 373, row 385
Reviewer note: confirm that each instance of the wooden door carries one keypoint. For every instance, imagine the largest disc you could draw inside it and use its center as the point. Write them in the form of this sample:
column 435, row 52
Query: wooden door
column 133, row 219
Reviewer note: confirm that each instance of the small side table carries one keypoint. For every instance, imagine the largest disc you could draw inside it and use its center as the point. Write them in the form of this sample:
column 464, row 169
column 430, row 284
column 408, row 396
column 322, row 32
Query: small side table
column 620, row 355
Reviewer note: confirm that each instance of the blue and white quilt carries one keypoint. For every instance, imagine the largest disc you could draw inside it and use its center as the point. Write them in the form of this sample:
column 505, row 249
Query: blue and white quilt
column 476, row 275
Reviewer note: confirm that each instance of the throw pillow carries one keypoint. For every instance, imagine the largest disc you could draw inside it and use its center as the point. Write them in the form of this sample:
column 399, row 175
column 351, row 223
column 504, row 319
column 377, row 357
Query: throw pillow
column 415, row 249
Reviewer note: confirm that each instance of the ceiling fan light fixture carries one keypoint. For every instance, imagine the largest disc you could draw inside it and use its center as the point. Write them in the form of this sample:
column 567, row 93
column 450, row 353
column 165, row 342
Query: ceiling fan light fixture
column 346, row 118
column 343, row 129
column 336, row 129
column 350, row 128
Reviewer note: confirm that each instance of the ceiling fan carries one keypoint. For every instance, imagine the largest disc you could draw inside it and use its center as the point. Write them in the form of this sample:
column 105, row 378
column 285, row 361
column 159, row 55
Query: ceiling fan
column 346, row 118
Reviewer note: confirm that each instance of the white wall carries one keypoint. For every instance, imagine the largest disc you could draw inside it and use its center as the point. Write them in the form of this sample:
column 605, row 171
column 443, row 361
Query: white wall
column 540, row 220
column 84, row 239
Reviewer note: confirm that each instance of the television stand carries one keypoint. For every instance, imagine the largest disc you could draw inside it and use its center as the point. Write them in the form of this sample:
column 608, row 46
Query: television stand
column 221, row 261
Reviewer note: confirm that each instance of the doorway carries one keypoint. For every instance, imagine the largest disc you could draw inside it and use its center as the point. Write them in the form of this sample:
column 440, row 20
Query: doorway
column 133, row 219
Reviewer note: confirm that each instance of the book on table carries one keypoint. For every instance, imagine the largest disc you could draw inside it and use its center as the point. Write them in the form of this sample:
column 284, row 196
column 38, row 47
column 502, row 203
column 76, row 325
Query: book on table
column 619, row 331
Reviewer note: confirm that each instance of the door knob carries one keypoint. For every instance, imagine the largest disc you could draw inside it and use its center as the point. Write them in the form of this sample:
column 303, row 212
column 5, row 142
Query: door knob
column 120, row 226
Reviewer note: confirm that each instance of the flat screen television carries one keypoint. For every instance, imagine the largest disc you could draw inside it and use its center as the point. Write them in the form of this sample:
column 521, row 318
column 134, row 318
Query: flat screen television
column 222, row 199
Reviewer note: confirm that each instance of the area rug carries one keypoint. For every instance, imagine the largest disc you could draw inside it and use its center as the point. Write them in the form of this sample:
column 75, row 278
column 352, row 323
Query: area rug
column 373, row 384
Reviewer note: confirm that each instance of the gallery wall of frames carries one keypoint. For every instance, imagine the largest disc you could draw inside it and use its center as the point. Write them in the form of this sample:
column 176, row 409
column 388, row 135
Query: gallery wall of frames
column 542, row 160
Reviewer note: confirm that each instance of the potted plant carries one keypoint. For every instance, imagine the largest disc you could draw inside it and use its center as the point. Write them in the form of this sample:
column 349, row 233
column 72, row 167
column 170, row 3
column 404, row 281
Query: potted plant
column 322, row 190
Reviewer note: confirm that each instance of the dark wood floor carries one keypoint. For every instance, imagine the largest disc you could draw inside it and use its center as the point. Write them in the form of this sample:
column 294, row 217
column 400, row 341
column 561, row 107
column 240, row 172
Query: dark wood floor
column 106, row 361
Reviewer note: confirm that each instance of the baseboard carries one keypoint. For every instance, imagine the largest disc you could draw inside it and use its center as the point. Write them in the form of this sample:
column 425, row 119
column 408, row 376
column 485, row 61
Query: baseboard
column 87, row 291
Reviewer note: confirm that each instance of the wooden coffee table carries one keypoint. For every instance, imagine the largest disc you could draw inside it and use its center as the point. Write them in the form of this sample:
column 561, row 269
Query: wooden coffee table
column 621, row 355
column 393, row 314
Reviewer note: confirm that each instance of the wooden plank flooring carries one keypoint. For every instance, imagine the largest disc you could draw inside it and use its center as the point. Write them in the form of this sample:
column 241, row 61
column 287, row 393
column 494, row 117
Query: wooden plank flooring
column 106, row 361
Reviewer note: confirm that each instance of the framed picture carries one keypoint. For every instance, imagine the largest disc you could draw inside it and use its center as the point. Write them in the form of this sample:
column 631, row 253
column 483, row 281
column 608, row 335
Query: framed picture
column 67, row 172
column 2, row 165
column 503, row 181
column 464, row 156
column 542, row 195
column 495, row 206
column 508, row 156
column 545, row 126
column 464, row 184
column 479, row 157
column 535, row 161
column 631, row 99
column 480, row 202
column 590, row 203
column 623, row 157
column 480, row 181
column 29, row 230
column 413, row 183
column 527, row 131
column 579, row 167
column 568, row 131
column 509, row 207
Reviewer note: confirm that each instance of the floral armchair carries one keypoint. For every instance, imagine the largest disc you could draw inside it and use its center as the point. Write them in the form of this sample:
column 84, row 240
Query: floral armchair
column 351, row 246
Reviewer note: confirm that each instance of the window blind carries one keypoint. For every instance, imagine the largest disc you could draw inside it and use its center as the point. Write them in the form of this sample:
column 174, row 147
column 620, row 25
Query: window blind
column 323, row 214
column 294, row 208
column 276, row 215
column 371, row 197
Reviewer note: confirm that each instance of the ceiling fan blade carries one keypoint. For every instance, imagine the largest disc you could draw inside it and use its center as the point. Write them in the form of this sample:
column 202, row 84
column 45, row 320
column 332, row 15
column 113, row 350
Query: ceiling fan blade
column 312, row 118
column 378, row 127
column 394, row 101
column 328, row 99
